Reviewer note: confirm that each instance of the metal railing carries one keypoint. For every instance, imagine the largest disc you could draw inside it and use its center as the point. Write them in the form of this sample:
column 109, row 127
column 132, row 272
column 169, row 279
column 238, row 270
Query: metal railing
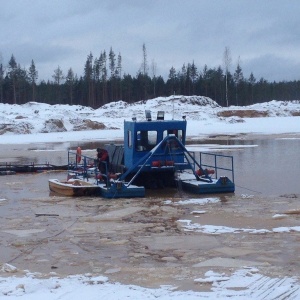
column 86, row 167
column 216, row 165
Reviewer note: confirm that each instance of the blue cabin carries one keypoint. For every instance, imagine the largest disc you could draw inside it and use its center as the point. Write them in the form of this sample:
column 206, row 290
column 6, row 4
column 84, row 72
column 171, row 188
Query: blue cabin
column 140, row 138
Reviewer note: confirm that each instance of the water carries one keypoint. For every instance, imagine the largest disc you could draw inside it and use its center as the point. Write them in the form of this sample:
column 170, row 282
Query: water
column 261, row 166
column 271, row 168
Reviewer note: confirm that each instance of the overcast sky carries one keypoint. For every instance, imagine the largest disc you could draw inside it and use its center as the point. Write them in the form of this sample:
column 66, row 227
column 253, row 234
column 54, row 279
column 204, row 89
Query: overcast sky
column 264, row 34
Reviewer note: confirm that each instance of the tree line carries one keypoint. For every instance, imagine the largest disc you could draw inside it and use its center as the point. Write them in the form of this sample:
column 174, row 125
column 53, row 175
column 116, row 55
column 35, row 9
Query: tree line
column 104, row 81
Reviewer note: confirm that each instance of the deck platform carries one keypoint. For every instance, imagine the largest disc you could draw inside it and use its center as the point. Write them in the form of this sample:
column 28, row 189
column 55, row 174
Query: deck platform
column 121, row 190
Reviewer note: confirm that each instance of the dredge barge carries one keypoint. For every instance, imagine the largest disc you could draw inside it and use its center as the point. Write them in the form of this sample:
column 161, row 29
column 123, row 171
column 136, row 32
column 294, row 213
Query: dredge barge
column 154, row 155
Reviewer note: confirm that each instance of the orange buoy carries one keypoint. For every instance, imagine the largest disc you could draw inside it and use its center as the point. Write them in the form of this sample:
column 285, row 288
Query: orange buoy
column 156, row 163
column 169, row 163
column 78, row 155
column 210, row 171
column 205, row 172
column 199, row 172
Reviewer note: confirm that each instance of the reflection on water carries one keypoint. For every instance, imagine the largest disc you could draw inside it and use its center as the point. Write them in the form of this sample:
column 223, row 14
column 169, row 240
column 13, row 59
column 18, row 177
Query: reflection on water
column 271, row 168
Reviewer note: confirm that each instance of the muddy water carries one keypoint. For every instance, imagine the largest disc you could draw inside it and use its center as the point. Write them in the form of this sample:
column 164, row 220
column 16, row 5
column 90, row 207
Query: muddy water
column 264, row 166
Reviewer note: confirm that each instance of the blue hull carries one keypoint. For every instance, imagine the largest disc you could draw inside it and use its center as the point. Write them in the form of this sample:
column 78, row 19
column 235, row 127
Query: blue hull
column 204, row 187
column 120, row 190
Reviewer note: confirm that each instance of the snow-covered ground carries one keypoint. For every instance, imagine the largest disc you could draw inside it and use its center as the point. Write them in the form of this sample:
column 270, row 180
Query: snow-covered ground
column 37, row 122
column 244, row 284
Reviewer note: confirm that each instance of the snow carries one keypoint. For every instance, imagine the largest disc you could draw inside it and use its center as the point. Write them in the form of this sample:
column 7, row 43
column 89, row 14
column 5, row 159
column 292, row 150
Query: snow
column 201, row 201
column 213, row 229
column 245, row 283
column 33, row 123
column 39, row 122
column 78, row 287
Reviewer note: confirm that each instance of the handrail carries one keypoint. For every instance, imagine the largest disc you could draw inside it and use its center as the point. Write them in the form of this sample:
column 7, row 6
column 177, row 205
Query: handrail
column 215, row 167
column 190, row 159
column 73, row 164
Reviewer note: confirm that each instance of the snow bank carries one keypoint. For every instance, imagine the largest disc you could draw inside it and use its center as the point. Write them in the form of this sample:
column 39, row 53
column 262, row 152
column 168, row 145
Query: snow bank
column 41, row 122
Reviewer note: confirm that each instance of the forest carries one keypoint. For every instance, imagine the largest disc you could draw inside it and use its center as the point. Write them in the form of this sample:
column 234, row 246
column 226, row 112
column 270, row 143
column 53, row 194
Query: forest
column 104, row 81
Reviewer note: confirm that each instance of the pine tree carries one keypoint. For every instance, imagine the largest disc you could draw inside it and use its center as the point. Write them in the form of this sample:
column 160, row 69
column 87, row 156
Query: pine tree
column 2, row 70
column 112, row 67
column 112, row 62
column 205, row 78
column 193, row 75
column 12, row 73
column 238, row 77
column 103, row 72
column 127, row 88
column 119, row 74
column 251, row 81
column 172, row 80
column 33, row 76
column 88, row 76
column 218, row 81
column 21, row 84
column 183, row 79
column 70, row 80
column 96, row 73
column 58, row 77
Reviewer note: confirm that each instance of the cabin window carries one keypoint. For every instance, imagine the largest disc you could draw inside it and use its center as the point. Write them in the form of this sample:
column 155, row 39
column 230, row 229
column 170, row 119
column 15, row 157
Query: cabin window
column 178, row 133
column 145, row 140
column 129, row 138
column 152, row 138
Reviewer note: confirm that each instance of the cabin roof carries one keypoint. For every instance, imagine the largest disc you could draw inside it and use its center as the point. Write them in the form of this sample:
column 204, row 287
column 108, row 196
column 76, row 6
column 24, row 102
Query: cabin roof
column 156, row 124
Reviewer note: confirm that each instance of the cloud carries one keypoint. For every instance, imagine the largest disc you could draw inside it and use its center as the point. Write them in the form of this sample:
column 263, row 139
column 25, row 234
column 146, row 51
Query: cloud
column 175, row 33
column 272, row 67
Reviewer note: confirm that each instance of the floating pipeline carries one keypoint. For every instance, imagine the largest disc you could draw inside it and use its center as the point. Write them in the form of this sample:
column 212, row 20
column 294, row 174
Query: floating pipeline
column 10, row 169
column 7, row 172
